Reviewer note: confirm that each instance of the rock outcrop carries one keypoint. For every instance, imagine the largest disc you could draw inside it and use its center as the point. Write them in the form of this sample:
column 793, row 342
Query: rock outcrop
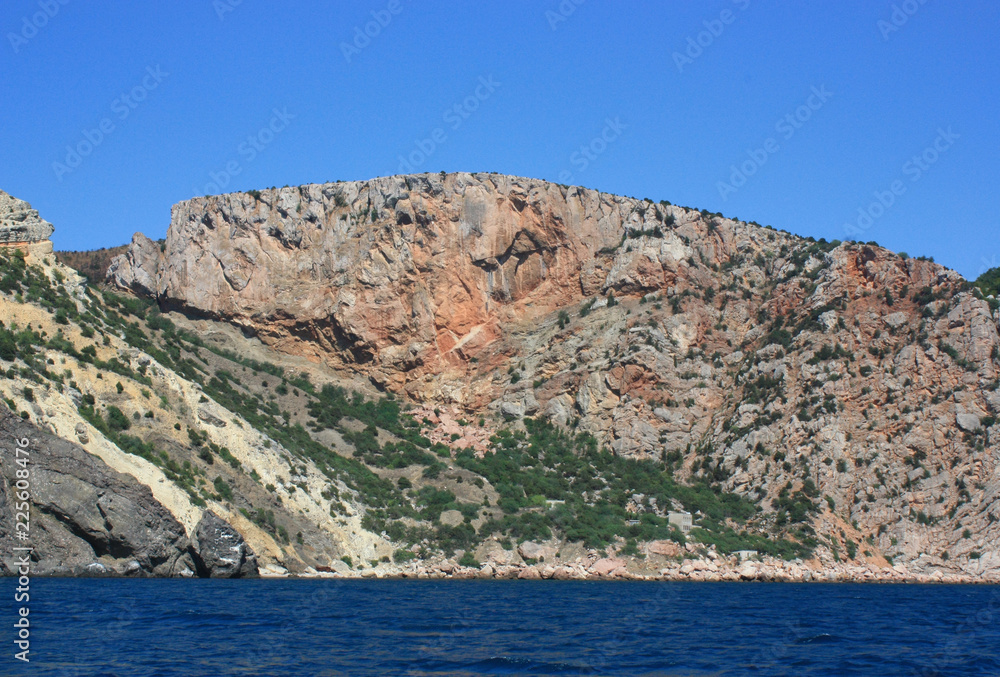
column 222, row 552
column 401, row 276
column 19, row 223
column 841, row 376
column 138, row 269
column 86, row 519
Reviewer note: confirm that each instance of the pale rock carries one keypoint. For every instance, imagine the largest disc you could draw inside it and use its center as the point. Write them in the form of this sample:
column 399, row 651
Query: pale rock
column 607, row 565
column 967, row 422
column 452, row 518
column 535, row 551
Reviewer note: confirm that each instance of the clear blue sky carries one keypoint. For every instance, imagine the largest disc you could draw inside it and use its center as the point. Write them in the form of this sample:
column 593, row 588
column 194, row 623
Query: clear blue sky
column 677, row 125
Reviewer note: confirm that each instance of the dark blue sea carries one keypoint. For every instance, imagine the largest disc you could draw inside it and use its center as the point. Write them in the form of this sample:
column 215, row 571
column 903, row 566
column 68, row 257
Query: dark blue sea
column 323, row 627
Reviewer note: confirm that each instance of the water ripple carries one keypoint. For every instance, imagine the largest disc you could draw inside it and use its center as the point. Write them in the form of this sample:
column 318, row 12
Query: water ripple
column 325, row 627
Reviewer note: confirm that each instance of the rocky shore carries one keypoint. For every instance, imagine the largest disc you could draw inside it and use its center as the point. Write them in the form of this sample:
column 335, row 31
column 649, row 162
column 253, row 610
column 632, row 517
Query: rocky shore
column 710, row 567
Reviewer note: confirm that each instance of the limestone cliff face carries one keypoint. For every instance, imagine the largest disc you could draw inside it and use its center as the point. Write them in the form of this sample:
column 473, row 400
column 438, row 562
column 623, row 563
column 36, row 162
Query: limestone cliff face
column 21, row 226
column 407, row 276
column 20, row 223
column 757, row 358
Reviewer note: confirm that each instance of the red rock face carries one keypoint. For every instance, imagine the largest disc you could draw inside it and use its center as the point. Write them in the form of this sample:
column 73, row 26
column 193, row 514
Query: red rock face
column 429, row 284
column 401, row 276
column 754, row 358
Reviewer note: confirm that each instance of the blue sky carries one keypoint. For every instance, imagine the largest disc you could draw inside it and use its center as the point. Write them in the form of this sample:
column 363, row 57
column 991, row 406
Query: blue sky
column 870, row 120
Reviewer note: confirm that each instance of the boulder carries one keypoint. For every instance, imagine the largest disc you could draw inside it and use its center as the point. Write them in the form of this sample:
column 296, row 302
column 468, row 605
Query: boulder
column 664, row 548
column 530, row 574
column 606, row 566
column 535, row 551
column 896, row 320
column 81, row 433
column 967, row 422
column 209, row 418
column 222, row 552
column 565, row 573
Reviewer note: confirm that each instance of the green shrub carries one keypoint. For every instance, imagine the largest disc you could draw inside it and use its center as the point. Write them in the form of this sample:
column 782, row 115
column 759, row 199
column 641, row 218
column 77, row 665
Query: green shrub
column 8, row 347
column 225, row 491
column 402, row 555
column 117, row 420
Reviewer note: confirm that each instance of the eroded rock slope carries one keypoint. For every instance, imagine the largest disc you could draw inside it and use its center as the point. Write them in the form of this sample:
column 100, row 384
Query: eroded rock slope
column 837, row 385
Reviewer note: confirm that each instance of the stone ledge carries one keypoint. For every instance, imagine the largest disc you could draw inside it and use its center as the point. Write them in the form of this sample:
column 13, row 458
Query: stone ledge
column 30, row 249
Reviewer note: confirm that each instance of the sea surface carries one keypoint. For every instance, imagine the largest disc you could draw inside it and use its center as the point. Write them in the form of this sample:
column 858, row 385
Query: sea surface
column 327, row 627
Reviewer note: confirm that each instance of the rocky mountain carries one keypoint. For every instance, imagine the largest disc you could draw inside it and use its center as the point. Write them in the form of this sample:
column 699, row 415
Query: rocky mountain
column 782, row 369
column 417, row 370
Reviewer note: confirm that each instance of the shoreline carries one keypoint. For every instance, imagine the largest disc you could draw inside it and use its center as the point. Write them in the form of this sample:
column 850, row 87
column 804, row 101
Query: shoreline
column 912, row 580
column 608, row 569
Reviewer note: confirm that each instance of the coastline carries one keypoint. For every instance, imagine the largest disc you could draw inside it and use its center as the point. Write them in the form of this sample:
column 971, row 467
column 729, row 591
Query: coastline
column 562, row 573
column 613, row 569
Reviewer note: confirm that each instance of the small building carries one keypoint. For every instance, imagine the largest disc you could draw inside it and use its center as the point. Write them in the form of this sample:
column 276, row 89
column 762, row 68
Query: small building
column 632, row 523
column 552, row 503
column 680, row 520
column 745, row 554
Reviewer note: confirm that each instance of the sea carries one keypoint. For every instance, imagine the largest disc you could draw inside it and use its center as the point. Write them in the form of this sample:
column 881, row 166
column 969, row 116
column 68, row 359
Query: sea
column 150, row 627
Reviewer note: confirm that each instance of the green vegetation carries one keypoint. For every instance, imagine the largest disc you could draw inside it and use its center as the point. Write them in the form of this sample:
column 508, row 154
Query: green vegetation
column 223, row 489
column 546, row 463
column 550, row 482
column 989, row 282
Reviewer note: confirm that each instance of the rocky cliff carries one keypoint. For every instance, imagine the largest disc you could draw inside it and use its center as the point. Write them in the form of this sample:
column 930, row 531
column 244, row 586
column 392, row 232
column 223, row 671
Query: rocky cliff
column 19, row 223
column 836, row 385
column 401, row 277
column 89, row 520
column 92, row 508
